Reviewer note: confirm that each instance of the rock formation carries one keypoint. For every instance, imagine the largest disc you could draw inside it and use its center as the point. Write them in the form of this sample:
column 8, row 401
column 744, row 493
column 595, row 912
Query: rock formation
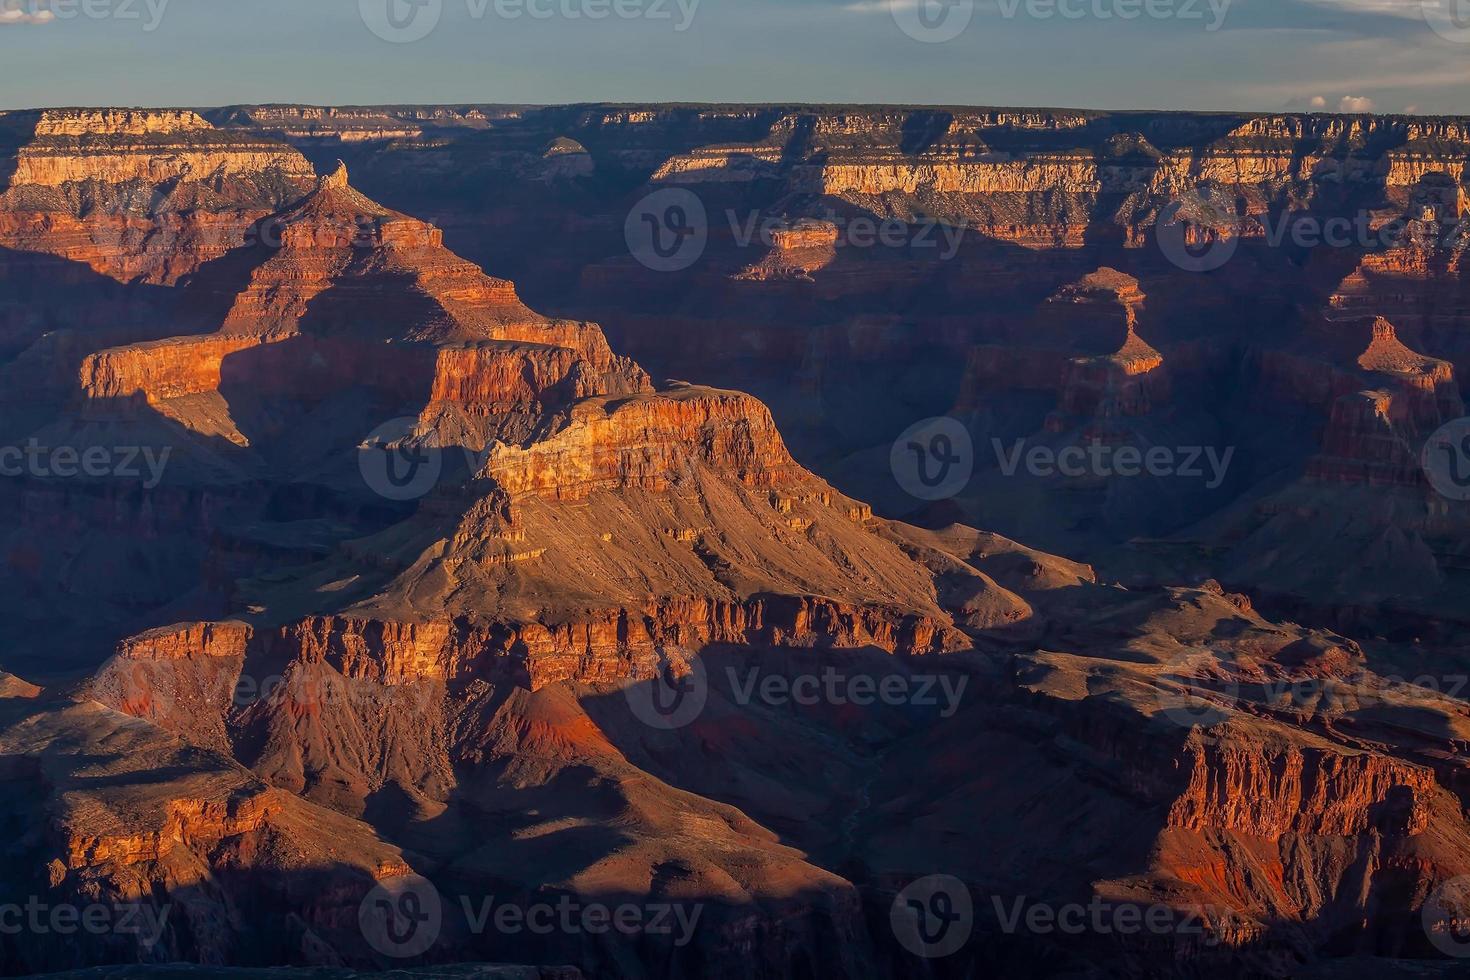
column 289, row 687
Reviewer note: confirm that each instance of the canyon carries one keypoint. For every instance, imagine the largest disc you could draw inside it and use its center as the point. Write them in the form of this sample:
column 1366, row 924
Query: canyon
column 458, row 492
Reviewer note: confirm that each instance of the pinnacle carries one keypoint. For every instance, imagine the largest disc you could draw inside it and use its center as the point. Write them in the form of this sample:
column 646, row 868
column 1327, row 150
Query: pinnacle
column 336, row 179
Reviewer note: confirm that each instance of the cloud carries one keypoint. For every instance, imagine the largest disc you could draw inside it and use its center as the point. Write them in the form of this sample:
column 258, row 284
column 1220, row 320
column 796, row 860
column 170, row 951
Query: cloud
column 32, row 12
column 1355, row 103
column 1410, row 9
column 1405, row 70
column 1297, row 103
column 23, row 17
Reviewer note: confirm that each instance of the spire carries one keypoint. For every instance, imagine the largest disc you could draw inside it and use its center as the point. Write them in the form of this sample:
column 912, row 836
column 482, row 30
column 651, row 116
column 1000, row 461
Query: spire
column 336, row 179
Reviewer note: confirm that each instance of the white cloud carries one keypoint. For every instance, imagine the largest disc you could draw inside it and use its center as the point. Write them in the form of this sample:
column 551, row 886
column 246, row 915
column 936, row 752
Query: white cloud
column 1383, row 8
column 13, row 15
column 1318, row 102
column 1355, row 103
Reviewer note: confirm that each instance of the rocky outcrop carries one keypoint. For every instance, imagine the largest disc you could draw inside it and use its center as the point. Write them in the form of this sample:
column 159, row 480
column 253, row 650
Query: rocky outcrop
column 182, row 835
column 347, row 292
column 646, row 442
column 796, row 252
column 1271, row 791
column 609, row 646
column 168, row 643
column 146, row 195
column 161, row 370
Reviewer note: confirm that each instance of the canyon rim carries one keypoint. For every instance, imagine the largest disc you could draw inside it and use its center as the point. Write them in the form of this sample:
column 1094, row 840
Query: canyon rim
column 728, row 540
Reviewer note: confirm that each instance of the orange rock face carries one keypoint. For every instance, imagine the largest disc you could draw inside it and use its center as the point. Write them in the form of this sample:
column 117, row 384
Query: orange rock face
column 203, row 189
column 644, row 442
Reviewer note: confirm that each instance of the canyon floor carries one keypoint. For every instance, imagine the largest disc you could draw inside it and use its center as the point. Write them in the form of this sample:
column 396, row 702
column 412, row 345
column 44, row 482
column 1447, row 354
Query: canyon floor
column 490, row 541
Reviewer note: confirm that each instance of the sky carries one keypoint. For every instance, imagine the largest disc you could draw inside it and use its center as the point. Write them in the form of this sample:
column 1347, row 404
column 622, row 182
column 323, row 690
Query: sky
column 1260, row 55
